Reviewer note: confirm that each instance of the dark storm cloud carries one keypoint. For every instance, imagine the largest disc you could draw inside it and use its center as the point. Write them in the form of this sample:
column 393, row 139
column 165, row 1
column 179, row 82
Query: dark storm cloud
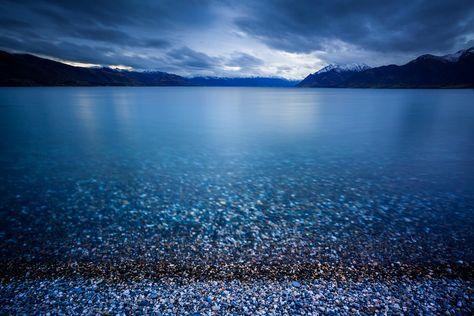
column 384, row 26
column 186, row 57
column 105, row 32
column 172, row 35
column 12, row 23
column 117, row 37
column 119, row 13
column 82, row 53
column 244, row 60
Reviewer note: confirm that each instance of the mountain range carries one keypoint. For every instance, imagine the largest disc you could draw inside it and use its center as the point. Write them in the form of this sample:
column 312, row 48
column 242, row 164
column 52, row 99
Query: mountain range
column 30, row 70
column 242, row 82
column 427, row 71
column 332, row 75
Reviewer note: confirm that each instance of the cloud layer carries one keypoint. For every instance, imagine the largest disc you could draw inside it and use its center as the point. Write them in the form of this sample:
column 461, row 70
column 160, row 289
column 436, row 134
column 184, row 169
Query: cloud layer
column 236, row 38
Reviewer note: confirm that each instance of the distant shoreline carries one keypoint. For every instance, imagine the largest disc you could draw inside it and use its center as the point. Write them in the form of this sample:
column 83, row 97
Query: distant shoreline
column 295, row 87
column 424, row 72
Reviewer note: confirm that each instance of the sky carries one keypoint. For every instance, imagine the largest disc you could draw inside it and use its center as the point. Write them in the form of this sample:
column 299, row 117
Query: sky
column 241, row 38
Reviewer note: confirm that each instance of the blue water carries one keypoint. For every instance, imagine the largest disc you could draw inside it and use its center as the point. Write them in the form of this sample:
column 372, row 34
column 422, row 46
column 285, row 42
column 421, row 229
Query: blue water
column 102, row 167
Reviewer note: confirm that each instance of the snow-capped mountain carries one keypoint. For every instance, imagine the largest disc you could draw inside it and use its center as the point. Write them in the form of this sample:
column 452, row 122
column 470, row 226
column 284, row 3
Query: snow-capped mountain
column 452, row 58
column 342, row 68
column 427, row 71
column 332, row 75
column 242, row 81
column 455, row 56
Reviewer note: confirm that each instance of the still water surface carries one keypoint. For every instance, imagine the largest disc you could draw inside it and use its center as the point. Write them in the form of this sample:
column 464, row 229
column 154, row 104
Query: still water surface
column 108, row 168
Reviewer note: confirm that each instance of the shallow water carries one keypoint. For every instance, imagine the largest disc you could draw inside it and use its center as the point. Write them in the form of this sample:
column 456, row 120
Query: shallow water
column 233, row 174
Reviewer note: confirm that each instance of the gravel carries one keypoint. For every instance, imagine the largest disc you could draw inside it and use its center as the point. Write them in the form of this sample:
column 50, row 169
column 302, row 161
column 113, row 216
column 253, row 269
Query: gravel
column 174, row 296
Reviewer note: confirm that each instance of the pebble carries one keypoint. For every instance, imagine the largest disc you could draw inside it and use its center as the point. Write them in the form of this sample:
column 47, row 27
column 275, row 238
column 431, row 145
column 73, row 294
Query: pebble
column 182, row 296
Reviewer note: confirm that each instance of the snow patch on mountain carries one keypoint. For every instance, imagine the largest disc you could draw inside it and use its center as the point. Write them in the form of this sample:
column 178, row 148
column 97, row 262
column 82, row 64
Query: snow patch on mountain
column 455, row 56
column 343, row 68
column 452, row 58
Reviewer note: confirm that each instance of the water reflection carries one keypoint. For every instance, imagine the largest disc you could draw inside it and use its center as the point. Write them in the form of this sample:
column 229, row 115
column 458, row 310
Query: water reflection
column 86, row 113
column 411, row 131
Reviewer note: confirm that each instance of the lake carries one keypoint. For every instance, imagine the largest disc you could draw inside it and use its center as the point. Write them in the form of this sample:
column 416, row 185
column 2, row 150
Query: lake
column 227, row 179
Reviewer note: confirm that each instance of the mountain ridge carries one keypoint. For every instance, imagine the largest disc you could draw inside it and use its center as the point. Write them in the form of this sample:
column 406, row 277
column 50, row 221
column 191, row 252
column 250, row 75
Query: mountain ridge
column 256, row 81
column 343, row 67
column 331, row 75
column 426, row 71
column 31, row 70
